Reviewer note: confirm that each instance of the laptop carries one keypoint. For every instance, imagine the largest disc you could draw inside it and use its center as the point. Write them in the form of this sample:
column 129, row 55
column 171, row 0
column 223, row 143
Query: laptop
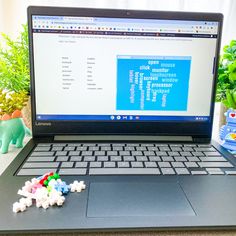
column 124, row 100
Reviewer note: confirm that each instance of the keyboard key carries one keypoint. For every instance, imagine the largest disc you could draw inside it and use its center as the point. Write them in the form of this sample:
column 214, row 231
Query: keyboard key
column 43, row 144
column 161, row 154
column 176, row 149
column 40, row 171
column 167, row 171
column 141, row 148
column 72, row 171
column 89, row 158
column 191, row 164
column 182, row 171
column 97, row 164
column 177, row 164
column 198, row 172
column 188, row 149
column 185, row 154
column 74, row 153
column 61, row 153
column 105, row 148
column 165, row 149
column 99, row 153
column 69, row 148
column 129, row 149
column 110, row 164
column 42, row 149
column 136, row 153
column 76, row 158
column 117, row 148
column 214, row 171
column 41, row 165
column 154, row 158
column 115, row 158
column 164, row 164
column 68, row 164
column 112, row 153
column 180, row 158
column 42, row 158
column 173, row 154
column 81, row 148
column 40, row 154
column 230, row 172
column 166, row 158
column 193, row 158
column 150, row 164
column 215, row 154
column 136, row 164
column 102, row 158
column 86, row 153
column 212, row 158
column 198, row 154
column 57, row 149
column 123, row 164
column 125, row 153
column 129, row 158
column 215, row 164
column 149, row 153
column 59, row 144
column 81, row 164
column 124, row 171
column 141, row 158
column 62, row 158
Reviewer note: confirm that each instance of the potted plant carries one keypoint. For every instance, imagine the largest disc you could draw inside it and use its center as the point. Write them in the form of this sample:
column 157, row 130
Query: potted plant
column 14, row 88
column 226, row 84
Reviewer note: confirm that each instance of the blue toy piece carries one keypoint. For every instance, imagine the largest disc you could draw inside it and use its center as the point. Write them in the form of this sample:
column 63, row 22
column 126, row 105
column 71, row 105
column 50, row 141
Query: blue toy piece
column 14, row 131
column 228, row 131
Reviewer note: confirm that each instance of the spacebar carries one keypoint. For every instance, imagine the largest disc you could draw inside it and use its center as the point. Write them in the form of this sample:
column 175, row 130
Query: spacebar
column 124, row 171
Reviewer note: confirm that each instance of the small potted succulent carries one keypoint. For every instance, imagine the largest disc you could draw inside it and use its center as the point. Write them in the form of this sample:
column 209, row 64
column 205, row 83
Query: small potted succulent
column 14, row 89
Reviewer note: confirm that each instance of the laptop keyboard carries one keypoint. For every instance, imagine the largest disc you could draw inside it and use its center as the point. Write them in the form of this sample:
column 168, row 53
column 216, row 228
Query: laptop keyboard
column 126, row 159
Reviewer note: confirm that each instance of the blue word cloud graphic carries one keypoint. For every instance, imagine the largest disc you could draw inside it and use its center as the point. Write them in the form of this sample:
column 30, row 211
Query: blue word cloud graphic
column 152, row 83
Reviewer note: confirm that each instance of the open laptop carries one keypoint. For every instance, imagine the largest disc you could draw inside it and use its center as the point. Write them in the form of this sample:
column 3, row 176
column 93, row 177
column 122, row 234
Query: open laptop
column 124, row 100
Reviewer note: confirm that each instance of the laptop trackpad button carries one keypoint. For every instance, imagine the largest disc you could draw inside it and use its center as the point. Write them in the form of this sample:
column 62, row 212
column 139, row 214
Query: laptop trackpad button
column 137, row 199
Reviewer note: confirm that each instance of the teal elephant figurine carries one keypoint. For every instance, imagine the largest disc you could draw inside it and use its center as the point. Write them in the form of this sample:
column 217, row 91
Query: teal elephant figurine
column 12, row 131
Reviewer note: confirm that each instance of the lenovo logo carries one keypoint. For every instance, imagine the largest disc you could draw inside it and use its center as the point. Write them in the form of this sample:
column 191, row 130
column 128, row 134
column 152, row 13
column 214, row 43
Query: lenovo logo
column 43, row 123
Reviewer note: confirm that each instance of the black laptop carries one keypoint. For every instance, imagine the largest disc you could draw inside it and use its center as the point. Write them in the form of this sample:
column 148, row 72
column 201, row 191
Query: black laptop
column 124, row 100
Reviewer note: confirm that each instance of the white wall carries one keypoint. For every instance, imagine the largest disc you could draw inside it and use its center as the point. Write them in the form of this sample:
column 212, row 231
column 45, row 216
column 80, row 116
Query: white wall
column 13, row 12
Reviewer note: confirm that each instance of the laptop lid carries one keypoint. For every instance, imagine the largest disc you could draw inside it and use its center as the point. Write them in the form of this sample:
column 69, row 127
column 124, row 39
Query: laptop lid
column 103, row 71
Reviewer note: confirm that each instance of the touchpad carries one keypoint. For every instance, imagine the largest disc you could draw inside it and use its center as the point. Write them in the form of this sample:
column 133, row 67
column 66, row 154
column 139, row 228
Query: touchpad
column 137, row 199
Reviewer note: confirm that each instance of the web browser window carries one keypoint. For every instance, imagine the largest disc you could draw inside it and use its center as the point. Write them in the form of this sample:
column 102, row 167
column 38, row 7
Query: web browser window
column 92, row 68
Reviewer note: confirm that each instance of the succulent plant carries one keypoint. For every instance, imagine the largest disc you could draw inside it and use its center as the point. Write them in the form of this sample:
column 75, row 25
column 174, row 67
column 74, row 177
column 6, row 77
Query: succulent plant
column 9, row 102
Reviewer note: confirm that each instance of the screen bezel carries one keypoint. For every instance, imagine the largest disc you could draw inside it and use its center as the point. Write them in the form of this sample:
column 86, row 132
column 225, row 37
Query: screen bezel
column 50, row 128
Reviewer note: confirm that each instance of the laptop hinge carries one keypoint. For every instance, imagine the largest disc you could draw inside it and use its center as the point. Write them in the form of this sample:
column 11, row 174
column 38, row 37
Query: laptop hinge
column 123, row 138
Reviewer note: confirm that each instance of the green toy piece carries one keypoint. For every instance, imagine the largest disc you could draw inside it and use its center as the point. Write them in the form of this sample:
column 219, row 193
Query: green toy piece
column 14, row 131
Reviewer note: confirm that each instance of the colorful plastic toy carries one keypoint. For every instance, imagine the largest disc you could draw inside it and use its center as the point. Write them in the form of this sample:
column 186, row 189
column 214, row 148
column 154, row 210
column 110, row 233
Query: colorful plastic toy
column 45, row 191
column 228, row 131
column 14, row 131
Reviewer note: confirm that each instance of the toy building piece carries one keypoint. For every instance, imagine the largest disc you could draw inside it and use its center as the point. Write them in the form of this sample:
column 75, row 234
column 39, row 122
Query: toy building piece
column 228, row 131
column 77, row 186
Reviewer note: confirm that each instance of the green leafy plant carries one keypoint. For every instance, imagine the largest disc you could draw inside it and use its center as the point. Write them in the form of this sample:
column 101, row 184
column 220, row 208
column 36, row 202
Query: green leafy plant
column 14, row 63
column 226, row 85
column 9, row 102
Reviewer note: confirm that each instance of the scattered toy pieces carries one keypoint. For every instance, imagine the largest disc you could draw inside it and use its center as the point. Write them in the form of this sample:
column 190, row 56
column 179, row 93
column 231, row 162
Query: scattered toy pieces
column 77, row 186
column 45, row 191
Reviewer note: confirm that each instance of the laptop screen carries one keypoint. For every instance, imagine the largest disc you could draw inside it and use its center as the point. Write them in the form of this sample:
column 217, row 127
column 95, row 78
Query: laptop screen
column 123, row 69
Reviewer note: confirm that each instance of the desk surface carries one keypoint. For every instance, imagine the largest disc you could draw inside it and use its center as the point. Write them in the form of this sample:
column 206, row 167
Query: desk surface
column 6, row 159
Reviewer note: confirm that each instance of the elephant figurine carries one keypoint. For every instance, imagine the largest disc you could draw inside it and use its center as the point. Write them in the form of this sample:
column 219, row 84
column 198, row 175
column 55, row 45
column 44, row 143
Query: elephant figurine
column 12, row 131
